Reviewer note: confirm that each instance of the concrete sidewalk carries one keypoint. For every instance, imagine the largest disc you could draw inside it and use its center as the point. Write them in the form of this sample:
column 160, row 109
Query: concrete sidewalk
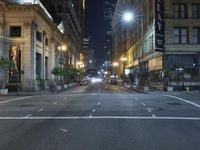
column 157, row 91
column 35, row 93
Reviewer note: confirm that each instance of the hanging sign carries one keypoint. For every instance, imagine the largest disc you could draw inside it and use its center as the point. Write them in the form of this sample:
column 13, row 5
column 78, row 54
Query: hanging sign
column 159, row 25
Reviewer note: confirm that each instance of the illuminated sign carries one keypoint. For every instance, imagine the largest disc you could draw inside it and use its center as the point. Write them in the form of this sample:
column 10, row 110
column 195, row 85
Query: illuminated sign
column 159, row 25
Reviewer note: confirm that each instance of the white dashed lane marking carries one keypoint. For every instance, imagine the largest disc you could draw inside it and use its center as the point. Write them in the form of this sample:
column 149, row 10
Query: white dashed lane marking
column 40, row 110
column 54, row 103
column 149, row 110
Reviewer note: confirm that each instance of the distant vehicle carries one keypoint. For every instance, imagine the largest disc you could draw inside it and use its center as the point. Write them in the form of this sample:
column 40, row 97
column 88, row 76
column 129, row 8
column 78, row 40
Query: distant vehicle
column 112, row 80
column 83, row 82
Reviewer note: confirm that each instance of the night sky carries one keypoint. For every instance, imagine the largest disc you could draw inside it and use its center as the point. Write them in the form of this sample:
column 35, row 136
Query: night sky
column 94, row 28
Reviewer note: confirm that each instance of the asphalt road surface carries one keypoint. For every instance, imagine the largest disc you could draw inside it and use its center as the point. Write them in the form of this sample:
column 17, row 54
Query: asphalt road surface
column 100, row 117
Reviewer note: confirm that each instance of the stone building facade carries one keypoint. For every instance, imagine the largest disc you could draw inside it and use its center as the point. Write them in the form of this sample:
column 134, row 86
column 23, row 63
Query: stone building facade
column 177, row 64
column 29, row 36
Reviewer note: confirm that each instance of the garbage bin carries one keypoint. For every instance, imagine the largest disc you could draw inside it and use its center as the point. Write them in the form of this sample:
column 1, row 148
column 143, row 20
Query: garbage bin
column 52, row 88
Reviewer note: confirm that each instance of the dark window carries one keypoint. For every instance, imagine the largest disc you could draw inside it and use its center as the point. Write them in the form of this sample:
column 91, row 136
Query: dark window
column 39, row 36
column 52, row 8
column 180, row 10
column 15, row 31
column 196, row 35
column 195, row 10
column 46, row 41
column 38, row 65
column 46, row 68
column 60, row 8
column 180, row 35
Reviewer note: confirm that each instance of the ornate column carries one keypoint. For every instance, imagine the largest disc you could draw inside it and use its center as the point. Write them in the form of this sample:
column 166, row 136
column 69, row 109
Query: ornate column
column 29, row 57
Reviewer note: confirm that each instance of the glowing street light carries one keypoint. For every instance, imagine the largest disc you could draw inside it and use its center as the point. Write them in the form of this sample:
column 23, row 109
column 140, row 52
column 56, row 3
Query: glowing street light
column 115, row 64
column 128, row 16
column 61, row 50
column 123, row 59
column 79, row 63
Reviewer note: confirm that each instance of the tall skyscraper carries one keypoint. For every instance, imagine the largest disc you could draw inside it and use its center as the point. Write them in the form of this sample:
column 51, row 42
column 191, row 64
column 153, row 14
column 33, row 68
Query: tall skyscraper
column 69, row 15
column 109, row 8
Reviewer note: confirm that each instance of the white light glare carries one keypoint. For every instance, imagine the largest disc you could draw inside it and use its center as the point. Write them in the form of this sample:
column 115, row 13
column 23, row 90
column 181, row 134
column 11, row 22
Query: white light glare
column 128, row 16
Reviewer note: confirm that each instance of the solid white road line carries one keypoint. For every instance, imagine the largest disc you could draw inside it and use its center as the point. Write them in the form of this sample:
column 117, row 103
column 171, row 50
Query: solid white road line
column 154, row 116
column 184, row 100
column 40, row 110
column 101, row 117
column 15, row 99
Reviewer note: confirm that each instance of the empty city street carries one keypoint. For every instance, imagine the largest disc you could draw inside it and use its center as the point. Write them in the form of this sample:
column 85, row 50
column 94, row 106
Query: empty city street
column 100, row 116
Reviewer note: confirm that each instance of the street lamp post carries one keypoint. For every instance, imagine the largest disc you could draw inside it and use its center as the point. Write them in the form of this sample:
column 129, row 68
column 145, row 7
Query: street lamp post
column 61, row 49
column 128, row 17
column 115, row 65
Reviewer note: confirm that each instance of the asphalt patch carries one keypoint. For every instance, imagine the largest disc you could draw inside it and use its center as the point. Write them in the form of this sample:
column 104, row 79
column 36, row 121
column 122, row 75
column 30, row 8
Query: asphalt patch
column 27, row 105
column 175, row 104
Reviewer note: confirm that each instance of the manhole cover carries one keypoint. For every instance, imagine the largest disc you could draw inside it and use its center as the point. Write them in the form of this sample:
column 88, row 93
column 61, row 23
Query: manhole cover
column 174, row 104
column 26, row 105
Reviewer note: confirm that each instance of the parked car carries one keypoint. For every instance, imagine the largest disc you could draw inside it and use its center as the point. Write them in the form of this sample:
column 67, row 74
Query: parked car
column 83, row 82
